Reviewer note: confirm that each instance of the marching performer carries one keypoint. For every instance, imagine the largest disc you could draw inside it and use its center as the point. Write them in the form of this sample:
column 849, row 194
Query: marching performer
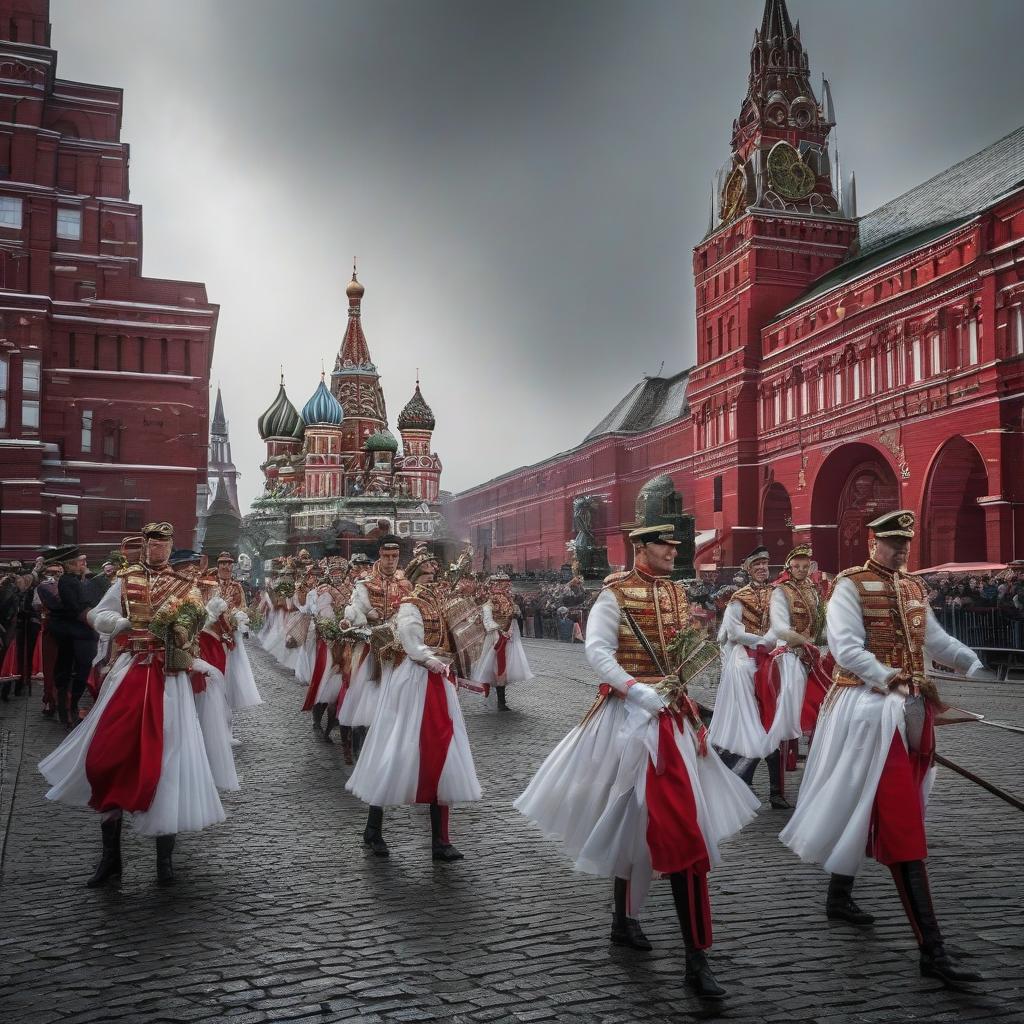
column 374, row 600
column 870, row 766
column 346, row 652
column 803, row 671
column 745, row 706
column 140, row 750
column 636, row 790
column 325, row 675
column 504, row 659
column 298, row 620
column 417, row 750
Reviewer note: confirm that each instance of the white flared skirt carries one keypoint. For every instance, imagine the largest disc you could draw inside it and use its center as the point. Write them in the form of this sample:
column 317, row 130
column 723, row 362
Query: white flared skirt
column 307, row 658
column 736, row 723
column 241, row 684
column 792, row 687
column 330, row 685
column 186, row 798
column 272, row 636
column 387, row 772
column 517, row 668
column 851, row 743
column 215, row 721
column 363, row 694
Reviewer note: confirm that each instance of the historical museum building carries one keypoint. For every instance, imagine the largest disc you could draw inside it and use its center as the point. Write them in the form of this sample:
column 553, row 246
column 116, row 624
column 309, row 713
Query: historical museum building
column 334, row 472
column 845, row 365
column 103, row 372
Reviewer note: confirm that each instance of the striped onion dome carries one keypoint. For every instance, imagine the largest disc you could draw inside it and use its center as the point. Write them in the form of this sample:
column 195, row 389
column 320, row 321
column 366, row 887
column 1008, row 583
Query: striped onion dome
column 323, row 409
column 281, row 420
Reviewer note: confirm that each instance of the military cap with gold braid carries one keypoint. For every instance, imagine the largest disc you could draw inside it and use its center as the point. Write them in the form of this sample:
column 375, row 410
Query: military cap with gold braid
column 662, row 534
column 158, row 531
column 800, row 551
column 894, row 524
column 420, row 558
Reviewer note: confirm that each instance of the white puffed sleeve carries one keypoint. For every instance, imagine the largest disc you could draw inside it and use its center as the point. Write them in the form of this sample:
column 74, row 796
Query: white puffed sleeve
column 846, row 637
column 408, row 624
column 106, row 617
column 487, row 617
column 357, row 611
column 947, row 650
column 732, row 631
column 602, row 642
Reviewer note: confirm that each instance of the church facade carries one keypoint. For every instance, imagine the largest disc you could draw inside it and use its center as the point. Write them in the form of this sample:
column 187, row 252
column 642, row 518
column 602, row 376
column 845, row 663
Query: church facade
column 845, row 365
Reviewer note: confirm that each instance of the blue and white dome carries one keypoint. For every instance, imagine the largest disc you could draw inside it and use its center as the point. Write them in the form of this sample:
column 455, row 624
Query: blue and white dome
column 323, row 409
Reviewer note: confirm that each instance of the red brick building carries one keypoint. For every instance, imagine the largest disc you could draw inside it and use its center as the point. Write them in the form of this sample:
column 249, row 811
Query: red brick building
column 845, row 365
column 103, row 372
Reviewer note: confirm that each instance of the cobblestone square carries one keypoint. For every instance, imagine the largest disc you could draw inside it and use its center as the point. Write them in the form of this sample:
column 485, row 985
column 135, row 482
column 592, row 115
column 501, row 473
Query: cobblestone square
column 281, row 915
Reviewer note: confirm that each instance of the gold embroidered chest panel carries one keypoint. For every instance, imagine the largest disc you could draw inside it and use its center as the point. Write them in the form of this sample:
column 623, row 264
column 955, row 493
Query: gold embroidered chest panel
column 658, row 606
column 755, row 602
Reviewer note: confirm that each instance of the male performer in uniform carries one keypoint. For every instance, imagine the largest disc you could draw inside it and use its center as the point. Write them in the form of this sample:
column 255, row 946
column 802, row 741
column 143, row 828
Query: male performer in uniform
column 742, row 707
column 76, row 639
column 635, row 790
column 869, row 768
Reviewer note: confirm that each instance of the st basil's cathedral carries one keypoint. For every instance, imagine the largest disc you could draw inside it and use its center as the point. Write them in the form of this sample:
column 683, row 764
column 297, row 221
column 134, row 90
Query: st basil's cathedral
column 335, row 474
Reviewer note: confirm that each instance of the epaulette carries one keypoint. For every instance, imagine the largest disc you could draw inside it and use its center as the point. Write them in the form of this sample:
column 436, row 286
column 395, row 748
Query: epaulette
column 126, row 569
column 616, row 577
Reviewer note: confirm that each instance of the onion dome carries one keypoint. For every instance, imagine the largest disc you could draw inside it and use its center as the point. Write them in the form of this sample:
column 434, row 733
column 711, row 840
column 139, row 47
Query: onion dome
column 281, row 420
column 417, row 415
column 381, row 441
column 323, row 409
column 355, row 289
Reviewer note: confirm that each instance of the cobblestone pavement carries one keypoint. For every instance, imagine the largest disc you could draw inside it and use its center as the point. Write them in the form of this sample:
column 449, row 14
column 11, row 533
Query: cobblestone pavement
column 280, row 915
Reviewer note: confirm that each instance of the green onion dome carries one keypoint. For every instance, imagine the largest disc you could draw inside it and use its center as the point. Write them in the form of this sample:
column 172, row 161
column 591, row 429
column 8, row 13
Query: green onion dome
column 281, row 421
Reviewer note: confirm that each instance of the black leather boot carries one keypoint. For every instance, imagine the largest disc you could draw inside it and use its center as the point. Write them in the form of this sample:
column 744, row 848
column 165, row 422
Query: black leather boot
column 839, row 905
column 318, row 717
column 62, row 707
column 777, row 783
column 911, row 879
column 358, row 735
column 699, row 975
column 332, row 723
column 440, row 847
column 110, row 862
column 164, row 865
column 626, row 931
column 502, row 703
column 373, row 835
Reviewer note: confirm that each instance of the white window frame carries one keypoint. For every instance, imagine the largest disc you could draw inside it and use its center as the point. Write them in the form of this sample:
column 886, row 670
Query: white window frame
column 856, row 382
column 30, row 413
column 789, row 403
column 972, row 341
column 69, row 223
column 873, row 375
column 10, row 212
column 777, row 406
column 936, row 353
column 837, row 387
column 31, row 386
column 890, row 368
column 821, row 392
column 1018, row 333
column 803, row 398
column 916, row 360
column 87, row 430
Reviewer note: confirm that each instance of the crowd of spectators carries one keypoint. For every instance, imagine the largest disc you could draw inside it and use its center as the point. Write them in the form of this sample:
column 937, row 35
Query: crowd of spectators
column 1001, row 592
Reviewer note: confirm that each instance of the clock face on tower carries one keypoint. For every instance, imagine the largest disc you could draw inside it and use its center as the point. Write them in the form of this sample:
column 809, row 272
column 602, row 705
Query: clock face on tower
column 788, row 175
column 733, row 194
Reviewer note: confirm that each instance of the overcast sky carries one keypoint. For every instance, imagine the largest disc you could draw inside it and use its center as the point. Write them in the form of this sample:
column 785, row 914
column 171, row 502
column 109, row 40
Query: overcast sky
column 523, row 182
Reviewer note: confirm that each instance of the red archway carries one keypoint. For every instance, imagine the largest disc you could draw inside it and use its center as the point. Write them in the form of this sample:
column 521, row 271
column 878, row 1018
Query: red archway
column 777, row 523
column 854, row 485
column 953, row 521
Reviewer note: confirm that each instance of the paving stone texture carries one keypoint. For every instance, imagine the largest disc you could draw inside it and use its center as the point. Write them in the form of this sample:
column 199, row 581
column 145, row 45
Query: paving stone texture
column 280, row 914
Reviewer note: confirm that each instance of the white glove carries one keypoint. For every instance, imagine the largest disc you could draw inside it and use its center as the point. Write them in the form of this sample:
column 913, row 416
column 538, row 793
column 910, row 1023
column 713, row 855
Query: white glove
column 645, row 697
column 241, row 619
column 123, row 625
column 215, row 608
column 433, row 665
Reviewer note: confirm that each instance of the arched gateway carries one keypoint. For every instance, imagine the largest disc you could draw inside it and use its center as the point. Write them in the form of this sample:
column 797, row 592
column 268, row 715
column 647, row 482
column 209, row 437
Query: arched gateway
column 954, row 522
column 855, row 484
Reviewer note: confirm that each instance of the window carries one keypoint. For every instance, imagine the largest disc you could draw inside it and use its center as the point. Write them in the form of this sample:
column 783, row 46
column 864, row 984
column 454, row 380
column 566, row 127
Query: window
column 936, row 353
column 855, row 370
column 972, row 341
column 110, row 521
column 915, row 354
column 1018, row 334
column 873, row 374
column 10, row 212
column 87, row 432
column 821, row 391
column 789, row 403
column 69, row 223
column 717, row 493
column 69, row 529
column 30, row 376
column 3, row 392
column 777, row 407
column 804, row 398
column 837, row 388
column 110, row 440
column 30, row 414
column 890, row 368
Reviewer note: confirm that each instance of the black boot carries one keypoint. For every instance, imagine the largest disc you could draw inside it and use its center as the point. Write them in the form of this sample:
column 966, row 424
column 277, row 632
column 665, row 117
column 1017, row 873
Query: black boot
column 164, row 866
column 440, row 847
column 62, row 707
column 911, row 879
column 373, row 836
column 110, row 863
column 318, row 716
column 839, row 905
column 777, row 782
column 502, row 703
column 5, row 691
column 699, row 975
column 358, row 735
column 626, row 931
column 332, row 723
column 346, row 742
